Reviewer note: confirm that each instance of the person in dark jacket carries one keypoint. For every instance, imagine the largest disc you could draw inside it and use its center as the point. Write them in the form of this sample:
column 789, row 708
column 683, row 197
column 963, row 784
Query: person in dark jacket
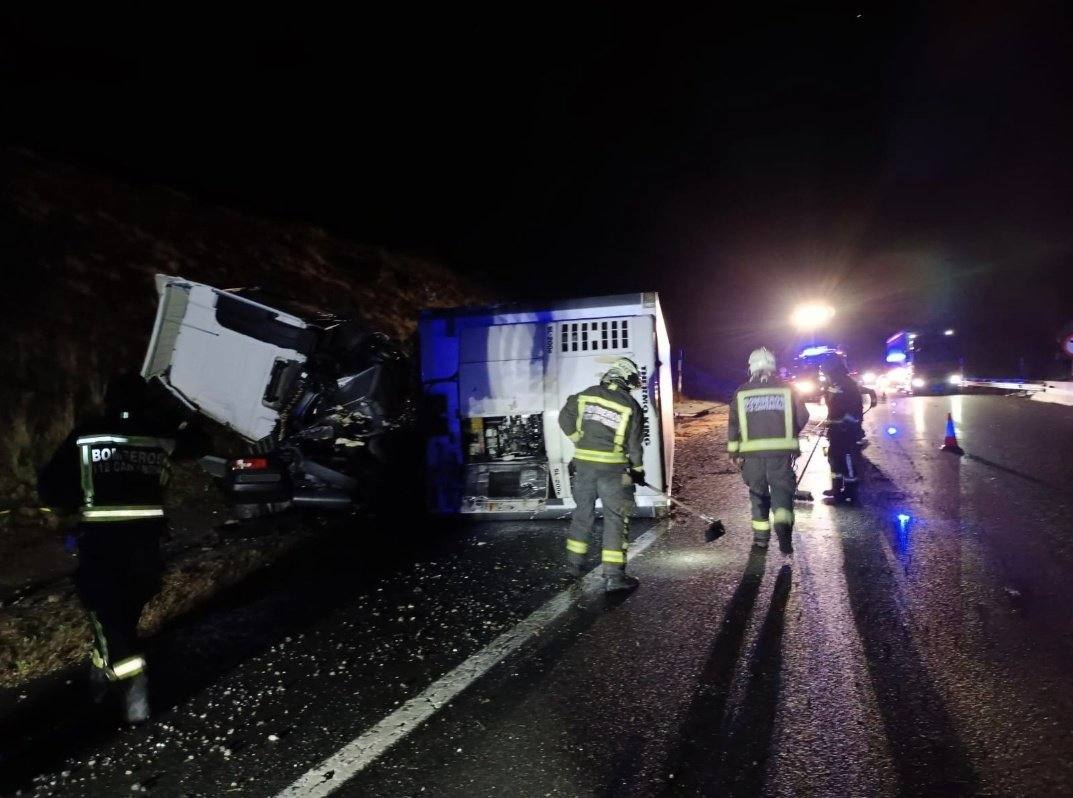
column 606, row 426
column 112, row 471
column 845, row 409
column 765, row 419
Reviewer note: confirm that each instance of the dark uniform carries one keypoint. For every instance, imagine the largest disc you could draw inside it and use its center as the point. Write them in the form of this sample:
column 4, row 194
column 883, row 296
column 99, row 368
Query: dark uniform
column 845, row 409
column 606, row 425
column 113, row 470
column 765, row 419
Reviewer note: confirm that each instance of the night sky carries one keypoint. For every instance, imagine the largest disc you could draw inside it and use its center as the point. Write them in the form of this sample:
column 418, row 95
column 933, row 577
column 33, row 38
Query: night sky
column 910, row 164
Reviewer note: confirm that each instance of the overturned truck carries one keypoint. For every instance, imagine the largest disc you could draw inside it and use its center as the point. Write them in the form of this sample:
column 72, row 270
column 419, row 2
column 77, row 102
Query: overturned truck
column 318, row 398
column 494, row 380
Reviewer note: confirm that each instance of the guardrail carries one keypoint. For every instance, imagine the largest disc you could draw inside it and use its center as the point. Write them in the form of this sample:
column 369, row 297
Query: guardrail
column 1005, row 385
column 1049, row 391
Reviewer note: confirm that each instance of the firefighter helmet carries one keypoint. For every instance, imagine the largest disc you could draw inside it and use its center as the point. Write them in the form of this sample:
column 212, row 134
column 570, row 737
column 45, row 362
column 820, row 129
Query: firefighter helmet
column 761, row 360
column 624, row 371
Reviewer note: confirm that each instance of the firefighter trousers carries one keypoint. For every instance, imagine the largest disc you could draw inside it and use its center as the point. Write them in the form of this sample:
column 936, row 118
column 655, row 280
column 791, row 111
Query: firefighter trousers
column 844, row 455
column 615, row 490
column 119, row 570
column 771, row 484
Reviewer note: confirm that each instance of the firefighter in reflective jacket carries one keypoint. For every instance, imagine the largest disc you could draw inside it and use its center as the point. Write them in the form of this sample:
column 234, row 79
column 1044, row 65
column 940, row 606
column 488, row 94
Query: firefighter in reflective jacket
column 606, row 425
column 845, row 409
column 765, row 419
column 113, row 470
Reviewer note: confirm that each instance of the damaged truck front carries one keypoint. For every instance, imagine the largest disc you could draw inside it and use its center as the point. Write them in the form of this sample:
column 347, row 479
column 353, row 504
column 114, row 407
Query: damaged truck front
column 318, row 399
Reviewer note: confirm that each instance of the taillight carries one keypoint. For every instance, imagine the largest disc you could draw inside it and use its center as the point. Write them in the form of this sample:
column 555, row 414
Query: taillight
column 250, row 464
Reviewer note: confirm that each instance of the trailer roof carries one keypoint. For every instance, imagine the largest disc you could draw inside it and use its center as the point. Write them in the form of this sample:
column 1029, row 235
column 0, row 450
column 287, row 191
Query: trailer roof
column 645, row 299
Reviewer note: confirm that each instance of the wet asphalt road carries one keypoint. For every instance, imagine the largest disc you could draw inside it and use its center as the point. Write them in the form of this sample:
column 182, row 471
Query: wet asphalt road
column 923, row 655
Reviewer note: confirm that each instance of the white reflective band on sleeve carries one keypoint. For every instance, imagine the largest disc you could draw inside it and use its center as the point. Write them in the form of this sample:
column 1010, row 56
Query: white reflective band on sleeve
column 104, row 513
column 131, row 666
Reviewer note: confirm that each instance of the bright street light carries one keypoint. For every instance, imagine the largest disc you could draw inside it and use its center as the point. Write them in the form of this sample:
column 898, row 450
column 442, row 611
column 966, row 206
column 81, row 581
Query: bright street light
column 810, row 316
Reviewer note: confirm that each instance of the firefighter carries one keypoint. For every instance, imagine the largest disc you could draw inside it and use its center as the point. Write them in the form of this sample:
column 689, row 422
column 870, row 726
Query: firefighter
column 765, row 419
column 845, row 409
column 606, row 425
column 113, row 470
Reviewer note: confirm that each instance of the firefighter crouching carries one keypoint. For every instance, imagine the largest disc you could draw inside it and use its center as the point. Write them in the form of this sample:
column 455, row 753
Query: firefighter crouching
column 845, row 409
column 113, row 469
column 765, row 420
column 606, row 425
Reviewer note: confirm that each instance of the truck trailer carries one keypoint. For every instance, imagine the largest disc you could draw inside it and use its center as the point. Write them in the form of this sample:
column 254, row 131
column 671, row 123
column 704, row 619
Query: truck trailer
column 494, row 380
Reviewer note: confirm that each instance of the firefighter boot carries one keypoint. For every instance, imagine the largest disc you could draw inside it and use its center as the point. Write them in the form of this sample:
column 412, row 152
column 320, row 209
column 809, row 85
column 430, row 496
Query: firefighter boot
column 784, row 532
column 618, row 581
column 837, row 493
column 136, row 699
column 850, row 494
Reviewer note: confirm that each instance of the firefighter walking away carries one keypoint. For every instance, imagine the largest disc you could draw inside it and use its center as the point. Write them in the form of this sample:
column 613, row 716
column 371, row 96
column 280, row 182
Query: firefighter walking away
column 112, row 471
column 606, row 425
column 765, row 420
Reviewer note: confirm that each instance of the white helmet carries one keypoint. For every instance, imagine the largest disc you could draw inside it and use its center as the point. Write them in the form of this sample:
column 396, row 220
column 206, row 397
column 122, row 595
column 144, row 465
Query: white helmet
column 761, row 360
column 625, row 371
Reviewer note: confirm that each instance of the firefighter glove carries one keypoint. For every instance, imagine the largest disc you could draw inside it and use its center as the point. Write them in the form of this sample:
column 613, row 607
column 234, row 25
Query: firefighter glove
column 638, row 476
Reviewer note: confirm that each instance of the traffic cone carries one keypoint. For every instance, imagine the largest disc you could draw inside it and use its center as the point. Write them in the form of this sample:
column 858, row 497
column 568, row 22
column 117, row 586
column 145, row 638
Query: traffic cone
column 950, row 442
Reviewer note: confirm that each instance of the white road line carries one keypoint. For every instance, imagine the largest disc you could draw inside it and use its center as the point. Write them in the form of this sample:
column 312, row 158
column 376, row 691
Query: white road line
column 362, row 751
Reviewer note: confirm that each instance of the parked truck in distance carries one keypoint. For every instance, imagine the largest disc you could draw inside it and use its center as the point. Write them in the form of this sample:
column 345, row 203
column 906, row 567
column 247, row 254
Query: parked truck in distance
column 925, row 361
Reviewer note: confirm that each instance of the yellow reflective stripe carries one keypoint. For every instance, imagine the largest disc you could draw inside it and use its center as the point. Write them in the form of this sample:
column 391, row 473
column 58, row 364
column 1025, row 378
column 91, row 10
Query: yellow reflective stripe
column 594, row 456
column 113, row 512
column 613, row 556
column 783, row 516
column 88, row 439
column 762, row 526
column 577, row 546
column 87, row 476
column 620, row 433
column 732, row 446
column 771, row 445
column 131, row 666
column 574, row 437
column 167, row 444
column 581, row 402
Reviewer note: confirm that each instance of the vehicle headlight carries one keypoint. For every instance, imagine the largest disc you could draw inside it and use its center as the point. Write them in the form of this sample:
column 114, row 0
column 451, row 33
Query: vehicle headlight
column 918, row 382
column 805, row 386
column 869, row 376
column 955, row 379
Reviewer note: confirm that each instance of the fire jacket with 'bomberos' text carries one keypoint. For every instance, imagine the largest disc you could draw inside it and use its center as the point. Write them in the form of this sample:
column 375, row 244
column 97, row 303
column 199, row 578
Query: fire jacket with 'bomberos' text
column 606, row 426
column 765, row 419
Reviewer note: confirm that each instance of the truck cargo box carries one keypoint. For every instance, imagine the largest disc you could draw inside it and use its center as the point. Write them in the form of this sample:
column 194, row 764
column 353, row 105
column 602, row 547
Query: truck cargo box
column 494, row 380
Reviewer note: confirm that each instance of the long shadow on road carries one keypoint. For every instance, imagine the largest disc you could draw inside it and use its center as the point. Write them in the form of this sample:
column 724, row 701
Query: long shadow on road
column 928, row 755
column 719, row 755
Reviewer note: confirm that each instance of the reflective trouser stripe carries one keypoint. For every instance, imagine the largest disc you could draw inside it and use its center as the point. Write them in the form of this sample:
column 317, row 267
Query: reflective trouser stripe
column 783, row 516
column 594, row 456
column 577, row 546
column 851, row 475
column 762, row 526
column 789, row 445
column 612, row 556
column 120, row 513
column 733, row 446
column 126, row 668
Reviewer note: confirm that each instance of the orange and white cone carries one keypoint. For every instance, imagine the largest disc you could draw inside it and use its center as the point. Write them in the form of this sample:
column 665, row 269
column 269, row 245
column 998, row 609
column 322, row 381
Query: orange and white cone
column 950, row 442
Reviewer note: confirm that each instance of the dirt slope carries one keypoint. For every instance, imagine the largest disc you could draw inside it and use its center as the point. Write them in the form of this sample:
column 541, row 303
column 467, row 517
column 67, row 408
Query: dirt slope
column 79, row 255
